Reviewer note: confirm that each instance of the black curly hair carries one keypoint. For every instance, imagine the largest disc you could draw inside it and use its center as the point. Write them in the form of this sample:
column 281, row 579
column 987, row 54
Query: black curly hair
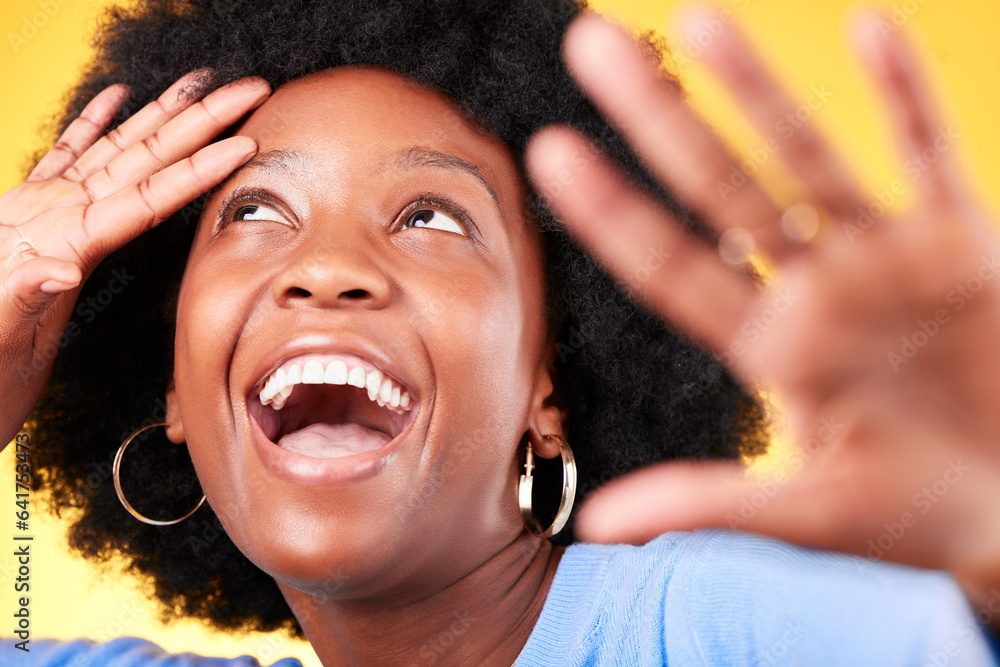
column 636, row 391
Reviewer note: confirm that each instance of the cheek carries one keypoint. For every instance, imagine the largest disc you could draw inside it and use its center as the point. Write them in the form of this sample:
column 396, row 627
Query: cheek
column 485, row 334
column 210, row 318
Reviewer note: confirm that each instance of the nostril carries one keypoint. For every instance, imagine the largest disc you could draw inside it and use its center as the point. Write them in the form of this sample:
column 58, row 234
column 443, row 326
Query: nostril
column 299, row 292
column 355, row 294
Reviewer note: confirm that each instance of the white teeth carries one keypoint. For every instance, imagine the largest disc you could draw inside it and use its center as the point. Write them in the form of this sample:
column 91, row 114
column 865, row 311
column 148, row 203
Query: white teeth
column 268, row 392
column 312, row 373
column 356, row 378
column 279, row 400
column 379, row 387
column 336, row 373
column 373, row 382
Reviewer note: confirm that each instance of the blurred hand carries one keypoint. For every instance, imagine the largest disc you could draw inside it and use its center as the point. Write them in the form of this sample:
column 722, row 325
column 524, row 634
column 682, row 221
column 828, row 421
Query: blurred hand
column 91, row 195
column 880, row 333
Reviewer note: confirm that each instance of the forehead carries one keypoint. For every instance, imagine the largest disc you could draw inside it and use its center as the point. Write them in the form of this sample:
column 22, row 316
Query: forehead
column 376, row 117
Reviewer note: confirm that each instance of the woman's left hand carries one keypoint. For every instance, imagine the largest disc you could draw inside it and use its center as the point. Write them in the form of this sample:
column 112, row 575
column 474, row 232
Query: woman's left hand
column 879, row 332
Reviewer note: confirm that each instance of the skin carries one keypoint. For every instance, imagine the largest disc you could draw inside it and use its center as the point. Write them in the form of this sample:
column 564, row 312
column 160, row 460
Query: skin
column 877, row 434
column 897, row 433
column 371, row 568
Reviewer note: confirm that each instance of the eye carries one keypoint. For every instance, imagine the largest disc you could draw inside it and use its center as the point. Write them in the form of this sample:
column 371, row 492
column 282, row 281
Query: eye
column 255, row 212
column 251, row 205
column 426, row 217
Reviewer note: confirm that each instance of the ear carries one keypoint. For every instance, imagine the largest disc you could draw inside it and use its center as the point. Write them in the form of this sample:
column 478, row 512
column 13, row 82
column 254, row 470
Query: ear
column 548, row 414
column 175, row 427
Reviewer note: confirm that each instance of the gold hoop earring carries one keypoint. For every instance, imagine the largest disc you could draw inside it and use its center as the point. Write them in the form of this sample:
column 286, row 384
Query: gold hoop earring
column 121, row 495
column 568, row 491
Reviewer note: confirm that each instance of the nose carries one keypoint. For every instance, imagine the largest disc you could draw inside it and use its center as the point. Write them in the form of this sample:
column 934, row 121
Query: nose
column 332, row 273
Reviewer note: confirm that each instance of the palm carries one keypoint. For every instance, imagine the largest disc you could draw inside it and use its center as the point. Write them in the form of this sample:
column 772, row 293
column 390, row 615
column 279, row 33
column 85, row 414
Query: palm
column 877, row 333
column 89, row 196
column 45, row 218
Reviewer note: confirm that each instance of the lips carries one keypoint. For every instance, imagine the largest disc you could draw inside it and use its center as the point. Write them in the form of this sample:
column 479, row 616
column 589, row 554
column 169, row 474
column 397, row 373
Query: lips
column 326, row 406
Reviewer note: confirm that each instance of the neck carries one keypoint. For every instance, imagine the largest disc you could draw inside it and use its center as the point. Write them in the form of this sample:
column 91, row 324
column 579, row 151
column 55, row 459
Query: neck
column 483, row 618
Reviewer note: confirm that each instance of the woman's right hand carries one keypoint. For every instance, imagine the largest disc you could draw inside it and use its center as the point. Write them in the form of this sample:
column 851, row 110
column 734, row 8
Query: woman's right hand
column 92, row 194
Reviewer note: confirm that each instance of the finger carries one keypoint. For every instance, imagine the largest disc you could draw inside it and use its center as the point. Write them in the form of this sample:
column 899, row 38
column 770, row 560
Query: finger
column 179, row 138
column 81, row 133
column 143, row 123
column 633, row 236
column 679, row 148
column 846, row 506
column 687, row 496
column 926, row 140
column 32, row 286
column 115, row 220
column 641, row 505
column 734, row 61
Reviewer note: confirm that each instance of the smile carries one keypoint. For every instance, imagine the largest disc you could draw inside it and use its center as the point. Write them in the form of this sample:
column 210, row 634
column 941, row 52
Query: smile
column 328, row 418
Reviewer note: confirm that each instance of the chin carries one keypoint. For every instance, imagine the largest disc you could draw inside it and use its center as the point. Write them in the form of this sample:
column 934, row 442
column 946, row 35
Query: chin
column 321, row 552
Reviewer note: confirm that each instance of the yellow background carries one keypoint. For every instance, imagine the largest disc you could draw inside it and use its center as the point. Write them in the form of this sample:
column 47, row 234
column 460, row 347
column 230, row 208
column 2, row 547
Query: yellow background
column 804, row 40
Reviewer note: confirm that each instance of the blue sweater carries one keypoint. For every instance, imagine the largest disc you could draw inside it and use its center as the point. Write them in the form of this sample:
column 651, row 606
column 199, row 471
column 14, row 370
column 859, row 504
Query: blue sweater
column 701, row 598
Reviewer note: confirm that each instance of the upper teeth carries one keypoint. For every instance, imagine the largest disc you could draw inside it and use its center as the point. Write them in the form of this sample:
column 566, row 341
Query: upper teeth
column 382, row 389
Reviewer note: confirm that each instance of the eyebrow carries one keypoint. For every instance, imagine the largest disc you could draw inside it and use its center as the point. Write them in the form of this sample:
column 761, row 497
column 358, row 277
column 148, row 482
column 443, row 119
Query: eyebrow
column 286, row 160
column 275, row 160
column 426, row 157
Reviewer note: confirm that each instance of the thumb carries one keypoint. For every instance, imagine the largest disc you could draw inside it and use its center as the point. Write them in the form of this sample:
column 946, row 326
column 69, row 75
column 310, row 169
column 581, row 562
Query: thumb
column 28, row 291
column 685, row 496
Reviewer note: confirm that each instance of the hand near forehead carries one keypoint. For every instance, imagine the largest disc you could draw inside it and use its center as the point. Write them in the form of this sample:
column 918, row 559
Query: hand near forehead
column 880, row 333
column 90, row 195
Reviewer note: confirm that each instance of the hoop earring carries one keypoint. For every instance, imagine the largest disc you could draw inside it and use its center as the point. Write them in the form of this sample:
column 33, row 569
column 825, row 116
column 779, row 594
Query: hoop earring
column 568, row 491
column 121, row 495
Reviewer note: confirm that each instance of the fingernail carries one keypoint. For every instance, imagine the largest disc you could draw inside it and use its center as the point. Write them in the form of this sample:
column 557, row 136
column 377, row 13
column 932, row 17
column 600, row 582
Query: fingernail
column 250, row 145
column 124, row 91
column 56, row 287
column 870, row 38
column 691, row 20
column 602, row 37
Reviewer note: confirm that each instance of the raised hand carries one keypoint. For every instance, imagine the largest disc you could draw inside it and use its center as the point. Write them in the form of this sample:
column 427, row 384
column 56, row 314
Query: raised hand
column 90, row 195
column 879, row 332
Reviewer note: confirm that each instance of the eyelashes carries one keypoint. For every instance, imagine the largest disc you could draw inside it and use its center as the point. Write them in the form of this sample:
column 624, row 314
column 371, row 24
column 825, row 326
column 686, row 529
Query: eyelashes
column 246, row 198
column 437, row 204
column 250, row 201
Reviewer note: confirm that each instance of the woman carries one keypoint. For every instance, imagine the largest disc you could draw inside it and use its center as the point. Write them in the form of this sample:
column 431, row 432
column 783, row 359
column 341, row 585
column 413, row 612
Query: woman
column 381, row 531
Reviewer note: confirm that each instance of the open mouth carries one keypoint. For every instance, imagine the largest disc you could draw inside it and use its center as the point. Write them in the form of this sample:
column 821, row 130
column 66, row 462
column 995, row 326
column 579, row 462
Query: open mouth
column 330, row 406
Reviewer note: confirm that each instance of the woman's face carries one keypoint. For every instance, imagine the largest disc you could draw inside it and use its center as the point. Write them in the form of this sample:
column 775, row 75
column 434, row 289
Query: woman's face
column 376, row 234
